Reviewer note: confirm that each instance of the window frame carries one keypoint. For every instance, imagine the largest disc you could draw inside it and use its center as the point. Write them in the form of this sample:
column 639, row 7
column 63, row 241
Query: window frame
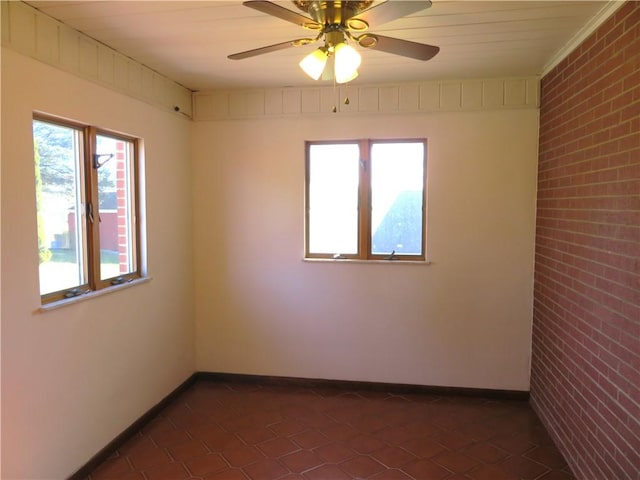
column 364, row 242
column 89, row 196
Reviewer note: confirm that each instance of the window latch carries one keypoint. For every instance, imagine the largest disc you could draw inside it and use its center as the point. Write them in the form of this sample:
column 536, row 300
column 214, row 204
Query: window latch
column 117, row 281
column 392, row 256
column 90, row 211
column 74, row 292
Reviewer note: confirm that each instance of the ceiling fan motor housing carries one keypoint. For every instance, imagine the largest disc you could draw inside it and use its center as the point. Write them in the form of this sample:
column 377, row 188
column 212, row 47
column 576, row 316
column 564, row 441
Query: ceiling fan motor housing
column 336, row 12
column 336, row 22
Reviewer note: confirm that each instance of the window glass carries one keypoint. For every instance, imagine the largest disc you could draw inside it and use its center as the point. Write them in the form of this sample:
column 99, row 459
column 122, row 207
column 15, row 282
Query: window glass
column 117, row 255
column 87, row 208
column 60, row 206
column 396, row 198
column 365, row 200
column 333, row 198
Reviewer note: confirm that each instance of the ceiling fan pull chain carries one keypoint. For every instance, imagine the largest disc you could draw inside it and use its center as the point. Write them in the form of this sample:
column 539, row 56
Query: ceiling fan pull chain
column 336, row 95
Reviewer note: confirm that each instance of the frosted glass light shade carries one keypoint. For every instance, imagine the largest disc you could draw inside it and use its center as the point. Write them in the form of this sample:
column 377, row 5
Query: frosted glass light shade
column 347, row 63
column 314, row 63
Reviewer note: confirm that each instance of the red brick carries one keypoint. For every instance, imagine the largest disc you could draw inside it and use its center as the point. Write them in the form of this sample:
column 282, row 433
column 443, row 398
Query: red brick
column 586, row 337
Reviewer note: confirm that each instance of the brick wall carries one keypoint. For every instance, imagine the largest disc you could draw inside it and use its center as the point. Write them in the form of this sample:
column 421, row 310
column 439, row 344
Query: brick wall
column 585, row 375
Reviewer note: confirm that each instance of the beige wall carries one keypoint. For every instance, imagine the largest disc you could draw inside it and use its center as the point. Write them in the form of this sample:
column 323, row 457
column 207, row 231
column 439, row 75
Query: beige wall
column 227, row 197
column 75, row 377
column 464, row 320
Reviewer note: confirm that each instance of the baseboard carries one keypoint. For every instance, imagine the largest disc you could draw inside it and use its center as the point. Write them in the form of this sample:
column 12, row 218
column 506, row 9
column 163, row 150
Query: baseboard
column 131, row 430
column 396, row 388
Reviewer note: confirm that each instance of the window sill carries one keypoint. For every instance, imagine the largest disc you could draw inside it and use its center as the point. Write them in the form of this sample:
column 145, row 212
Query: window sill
column 92, row 294
column 376, row 262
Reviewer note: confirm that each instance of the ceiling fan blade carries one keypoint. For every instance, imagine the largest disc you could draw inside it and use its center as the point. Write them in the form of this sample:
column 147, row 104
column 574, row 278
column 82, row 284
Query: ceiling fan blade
column 271, row 48
column 391, row 10
column 406, row 48
column 283, row 13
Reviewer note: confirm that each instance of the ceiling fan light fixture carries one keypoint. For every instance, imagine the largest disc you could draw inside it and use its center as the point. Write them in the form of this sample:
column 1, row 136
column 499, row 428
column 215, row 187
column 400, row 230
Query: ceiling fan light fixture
column 347, row 61
column 314, row 63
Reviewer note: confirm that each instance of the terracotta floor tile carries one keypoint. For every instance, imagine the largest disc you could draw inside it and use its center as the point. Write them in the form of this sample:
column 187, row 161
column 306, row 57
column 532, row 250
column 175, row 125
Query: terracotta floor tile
column 524, row 468
column 515, row 444
column 339, row 431
column 158, row 424
column 491, row 472
column 165, row 438
column 423, row 447
column 222, row 441
column 186, row 450
column 548, row 455
column 327, row 472
column 558, row 475
column 301, row 461
column 141, row 460
column 168, row 471
column 397, row 434
column 335, row 452
column 243, row 455
column 205, row 432
column 288, row 427
column 310, row 439
column 362, row 466
column 206, row 464
column 311, row 418
column 455, row 461
column 228, row 474
column 391, row 475
column 425, row 469
column 253, row 436
column 393, row 457
column 267, row 469
column 486, row 453
column 365, row 444
column 235, row 431
column 278, row 447
column 453, row 440
column 369, row 423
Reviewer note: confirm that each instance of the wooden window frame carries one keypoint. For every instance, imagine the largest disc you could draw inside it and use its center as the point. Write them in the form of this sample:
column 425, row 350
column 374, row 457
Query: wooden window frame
column 90, row 197
column 364, row 203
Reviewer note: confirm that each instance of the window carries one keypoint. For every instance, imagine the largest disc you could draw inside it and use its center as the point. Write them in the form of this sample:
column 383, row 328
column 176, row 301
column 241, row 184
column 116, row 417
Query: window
column 87, row 208
column 365, row 199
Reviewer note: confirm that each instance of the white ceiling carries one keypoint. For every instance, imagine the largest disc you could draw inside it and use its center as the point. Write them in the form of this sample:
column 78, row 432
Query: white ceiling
column 188, row 41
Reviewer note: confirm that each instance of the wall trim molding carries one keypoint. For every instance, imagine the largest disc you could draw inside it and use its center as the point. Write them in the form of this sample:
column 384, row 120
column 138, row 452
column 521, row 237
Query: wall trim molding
column 83, row 472
column 30, row 32
column 434, row 96
column 395, row 388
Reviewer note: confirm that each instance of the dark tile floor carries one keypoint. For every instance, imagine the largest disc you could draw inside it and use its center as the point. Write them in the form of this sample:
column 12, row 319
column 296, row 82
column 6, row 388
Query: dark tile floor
column 242, row 431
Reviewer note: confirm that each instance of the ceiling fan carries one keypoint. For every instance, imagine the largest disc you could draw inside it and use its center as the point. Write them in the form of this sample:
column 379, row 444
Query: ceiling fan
column 339, row 22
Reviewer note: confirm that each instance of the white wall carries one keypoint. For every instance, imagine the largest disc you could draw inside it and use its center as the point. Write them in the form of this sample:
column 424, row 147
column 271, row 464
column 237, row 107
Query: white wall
column 463, row 321
column 75, row 377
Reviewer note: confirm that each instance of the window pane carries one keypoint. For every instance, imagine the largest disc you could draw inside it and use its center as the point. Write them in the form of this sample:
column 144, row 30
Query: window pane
column 333, row 198
column 115, row 181
column 59, row 187
column 397, row 183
